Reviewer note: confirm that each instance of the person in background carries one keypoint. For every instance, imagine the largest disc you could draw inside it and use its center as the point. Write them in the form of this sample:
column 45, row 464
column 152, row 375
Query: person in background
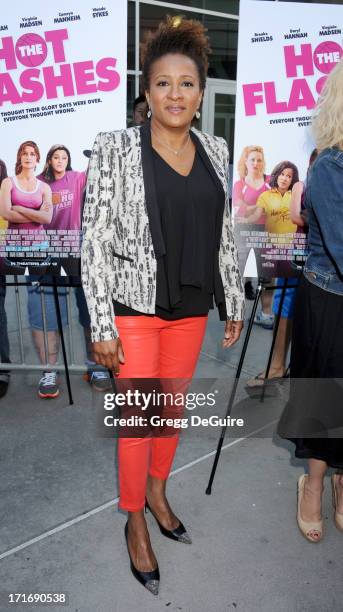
column 276, row 204
column 317, row 340
column 298, row 213
column 67, row 186
column 278, row 366
column 4, row 341
column 97, row 375
column 252, row 183
column 140, row 110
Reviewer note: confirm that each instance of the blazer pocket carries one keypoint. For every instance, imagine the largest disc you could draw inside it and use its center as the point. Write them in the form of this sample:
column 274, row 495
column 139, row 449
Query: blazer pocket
column 122, row 256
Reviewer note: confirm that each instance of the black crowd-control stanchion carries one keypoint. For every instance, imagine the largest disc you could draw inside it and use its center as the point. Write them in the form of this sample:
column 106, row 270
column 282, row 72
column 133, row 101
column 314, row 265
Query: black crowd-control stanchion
column 260, row 287
column 235, row 384
column 60, row 329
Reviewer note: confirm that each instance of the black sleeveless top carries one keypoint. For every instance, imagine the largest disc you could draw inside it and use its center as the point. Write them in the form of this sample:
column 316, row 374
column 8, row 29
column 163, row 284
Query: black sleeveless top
column 191, row 212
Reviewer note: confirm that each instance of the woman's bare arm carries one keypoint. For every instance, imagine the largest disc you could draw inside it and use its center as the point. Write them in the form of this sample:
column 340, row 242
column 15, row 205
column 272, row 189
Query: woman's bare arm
column 44, row 213
column 255, row 216
column 6, row 211
column 295, row 204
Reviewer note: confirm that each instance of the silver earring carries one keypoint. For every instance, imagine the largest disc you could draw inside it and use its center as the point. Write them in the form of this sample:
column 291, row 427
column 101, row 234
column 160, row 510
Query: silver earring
column 197, row 115
column 149, row 113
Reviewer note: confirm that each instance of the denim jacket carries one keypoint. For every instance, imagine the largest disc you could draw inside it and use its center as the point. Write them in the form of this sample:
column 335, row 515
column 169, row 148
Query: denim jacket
column 324, row 202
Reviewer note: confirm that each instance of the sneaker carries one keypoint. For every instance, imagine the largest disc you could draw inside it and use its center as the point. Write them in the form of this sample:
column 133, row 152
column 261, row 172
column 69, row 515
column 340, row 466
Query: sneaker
column 264, row 320
column 99, row 378
column 4, row 382
column 49, row 385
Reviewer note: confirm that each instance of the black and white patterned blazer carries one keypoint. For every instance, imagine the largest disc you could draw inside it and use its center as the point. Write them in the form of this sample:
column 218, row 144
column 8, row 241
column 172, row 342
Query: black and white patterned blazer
column 122, row 236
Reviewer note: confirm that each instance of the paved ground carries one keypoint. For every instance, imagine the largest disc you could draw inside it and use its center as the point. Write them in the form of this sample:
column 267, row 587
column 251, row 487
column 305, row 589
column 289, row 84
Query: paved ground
column 58, row 488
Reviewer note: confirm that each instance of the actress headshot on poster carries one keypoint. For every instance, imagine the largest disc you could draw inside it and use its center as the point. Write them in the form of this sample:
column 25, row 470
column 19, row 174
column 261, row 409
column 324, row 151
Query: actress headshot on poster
column 157, row 250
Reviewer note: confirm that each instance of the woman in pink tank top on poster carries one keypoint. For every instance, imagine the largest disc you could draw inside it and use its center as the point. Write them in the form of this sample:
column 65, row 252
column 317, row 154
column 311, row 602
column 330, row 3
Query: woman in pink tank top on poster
column 253, row 181
column 25, row 201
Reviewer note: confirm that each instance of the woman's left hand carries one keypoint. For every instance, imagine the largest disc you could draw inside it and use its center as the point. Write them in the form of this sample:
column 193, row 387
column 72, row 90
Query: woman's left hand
column 232, row 333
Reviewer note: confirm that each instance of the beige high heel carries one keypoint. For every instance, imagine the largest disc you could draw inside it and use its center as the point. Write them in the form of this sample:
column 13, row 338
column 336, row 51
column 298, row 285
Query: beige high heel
column 338, row 516
column 306, row 527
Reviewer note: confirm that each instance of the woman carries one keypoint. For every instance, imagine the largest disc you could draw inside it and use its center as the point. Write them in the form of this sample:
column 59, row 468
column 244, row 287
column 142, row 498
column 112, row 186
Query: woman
column 67, row 189
column 252, row 183
column 274, row 205
column 67, row 186
column 157, row 246
column 26, row 201
column 27, row 205
column 297, row 205
column 317, row 342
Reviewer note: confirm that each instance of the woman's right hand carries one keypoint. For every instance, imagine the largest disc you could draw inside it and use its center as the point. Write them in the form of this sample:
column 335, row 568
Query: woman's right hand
column 109, row 353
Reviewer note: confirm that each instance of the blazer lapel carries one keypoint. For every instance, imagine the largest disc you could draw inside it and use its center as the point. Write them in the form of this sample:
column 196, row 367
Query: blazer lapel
column 205, row 158
column 150, row 191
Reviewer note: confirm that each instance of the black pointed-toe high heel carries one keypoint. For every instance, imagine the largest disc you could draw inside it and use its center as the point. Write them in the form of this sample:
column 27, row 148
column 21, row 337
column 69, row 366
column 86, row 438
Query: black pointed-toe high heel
column 150, row 580
column 179, row 534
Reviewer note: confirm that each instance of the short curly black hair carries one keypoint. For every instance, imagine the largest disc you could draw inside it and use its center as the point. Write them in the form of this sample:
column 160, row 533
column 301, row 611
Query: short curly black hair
column 176, row 35
column 279, row 169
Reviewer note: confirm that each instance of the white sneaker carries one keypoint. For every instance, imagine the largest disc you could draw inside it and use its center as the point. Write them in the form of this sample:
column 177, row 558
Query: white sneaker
column 264, row 320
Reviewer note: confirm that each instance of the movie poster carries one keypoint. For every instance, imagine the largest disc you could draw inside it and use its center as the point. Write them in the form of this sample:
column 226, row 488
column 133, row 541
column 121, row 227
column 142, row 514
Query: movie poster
column 285, row 52
column 62, row 80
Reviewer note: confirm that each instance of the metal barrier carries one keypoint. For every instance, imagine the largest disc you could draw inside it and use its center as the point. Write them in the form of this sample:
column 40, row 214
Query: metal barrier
column 28, row 360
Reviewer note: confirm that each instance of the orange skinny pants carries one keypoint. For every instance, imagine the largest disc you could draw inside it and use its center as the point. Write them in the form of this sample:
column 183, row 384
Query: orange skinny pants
column 153, row 348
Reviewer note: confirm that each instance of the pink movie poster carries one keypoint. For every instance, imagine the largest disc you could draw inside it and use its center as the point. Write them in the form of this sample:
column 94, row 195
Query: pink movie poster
column 62, row 80
column 285, row 52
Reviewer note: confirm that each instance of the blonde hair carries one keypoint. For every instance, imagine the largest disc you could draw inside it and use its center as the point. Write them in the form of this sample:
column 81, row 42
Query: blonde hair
column 327, row 124
column 242, row 169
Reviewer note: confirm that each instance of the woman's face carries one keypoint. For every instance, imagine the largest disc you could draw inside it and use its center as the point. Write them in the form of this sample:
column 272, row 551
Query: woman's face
column 284, row 179
column 174, row 95
column 28, row 158
column 254, row 163
column 59, row 161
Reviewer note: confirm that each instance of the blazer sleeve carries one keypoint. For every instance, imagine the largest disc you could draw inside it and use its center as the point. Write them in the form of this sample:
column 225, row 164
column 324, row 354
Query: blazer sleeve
column 228, row 259
column 96, row 251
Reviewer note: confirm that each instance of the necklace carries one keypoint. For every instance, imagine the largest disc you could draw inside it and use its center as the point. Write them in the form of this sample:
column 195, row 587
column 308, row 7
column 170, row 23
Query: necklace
column 175, row 151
